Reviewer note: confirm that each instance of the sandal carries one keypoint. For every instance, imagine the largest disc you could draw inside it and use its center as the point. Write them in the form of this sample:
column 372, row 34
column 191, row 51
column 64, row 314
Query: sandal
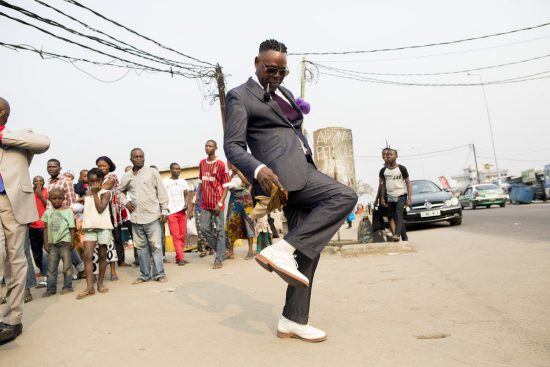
column 85, row 293
column 27, row 297
column 114, row 278
column 102, row 289
column 249, row 256
column 202, row 254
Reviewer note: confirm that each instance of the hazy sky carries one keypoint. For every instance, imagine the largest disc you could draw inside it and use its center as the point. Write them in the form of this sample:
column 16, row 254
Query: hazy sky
column 170, row 120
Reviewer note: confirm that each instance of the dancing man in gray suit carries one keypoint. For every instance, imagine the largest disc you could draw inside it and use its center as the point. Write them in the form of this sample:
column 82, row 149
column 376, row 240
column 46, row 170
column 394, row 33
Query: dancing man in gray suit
column 263, row 115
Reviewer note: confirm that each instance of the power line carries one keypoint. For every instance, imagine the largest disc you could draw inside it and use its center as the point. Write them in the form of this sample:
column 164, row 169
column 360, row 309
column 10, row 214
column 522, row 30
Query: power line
column 423, row 154
column 517, row 79
column 429, row 74
column 107, row 35
column 440, row 54
column 76, row 3
column 140, row 53
column 187, row 75
column 70, row 59
column 418, row 46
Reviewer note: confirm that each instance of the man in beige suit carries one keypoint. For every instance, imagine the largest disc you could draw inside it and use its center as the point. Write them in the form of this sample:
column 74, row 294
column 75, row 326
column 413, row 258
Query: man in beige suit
column 17, row 209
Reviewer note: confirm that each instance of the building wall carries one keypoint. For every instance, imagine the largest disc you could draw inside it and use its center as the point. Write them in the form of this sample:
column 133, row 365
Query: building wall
column 190, row 173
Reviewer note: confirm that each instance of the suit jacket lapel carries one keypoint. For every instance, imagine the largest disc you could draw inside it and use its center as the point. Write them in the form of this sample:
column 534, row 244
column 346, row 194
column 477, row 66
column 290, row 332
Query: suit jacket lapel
column 258, row 92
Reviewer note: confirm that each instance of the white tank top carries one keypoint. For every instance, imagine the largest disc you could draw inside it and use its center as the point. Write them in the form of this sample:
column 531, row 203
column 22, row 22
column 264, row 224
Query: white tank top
column 92, row 219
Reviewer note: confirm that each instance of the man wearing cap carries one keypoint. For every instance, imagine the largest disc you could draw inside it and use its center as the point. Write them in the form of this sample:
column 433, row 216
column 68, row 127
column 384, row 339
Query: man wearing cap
column 17, row 209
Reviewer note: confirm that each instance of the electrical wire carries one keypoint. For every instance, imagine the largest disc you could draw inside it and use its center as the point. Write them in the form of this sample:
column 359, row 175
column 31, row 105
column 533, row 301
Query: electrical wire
column 107, row 35
column 76, row 3
column 418, row 46
column 423, row 154
column 439, row 54
column 429, row 74
column 65, row 58
column 518, row 79
column 141, row 54
column 187, row 75
column 98, row 79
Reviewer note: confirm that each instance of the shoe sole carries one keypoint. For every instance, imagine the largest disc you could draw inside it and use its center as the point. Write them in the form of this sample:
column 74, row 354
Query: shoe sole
column 287, row 277
column 282, row 335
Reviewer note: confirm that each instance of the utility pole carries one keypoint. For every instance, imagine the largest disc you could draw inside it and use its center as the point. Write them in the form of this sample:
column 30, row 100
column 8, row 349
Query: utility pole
column 482, row 84
column 475, row 161
column 220, row 80
column 303, row 79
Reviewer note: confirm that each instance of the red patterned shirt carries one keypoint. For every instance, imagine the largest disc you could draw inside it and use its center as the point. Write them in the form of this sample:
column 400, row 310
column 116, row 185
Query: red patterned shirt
column 63, row 183
column 212, row 175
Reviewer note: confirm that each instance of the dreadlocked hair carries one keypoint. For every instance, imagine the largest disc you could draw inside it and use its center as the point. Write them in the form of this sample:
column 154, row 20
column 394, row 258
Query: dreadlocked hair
column 272, row 45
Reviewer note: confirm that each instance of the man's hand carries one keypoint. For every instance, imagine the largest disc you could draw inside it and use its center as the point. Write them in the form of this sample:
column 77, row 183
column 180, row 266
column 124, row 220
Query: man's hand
column 47, row 247
column 163, row 218
column 267, row 178
column 383, row 202
column 218, row 209
column 131, row 207
column 71, row 245
column 409, row 201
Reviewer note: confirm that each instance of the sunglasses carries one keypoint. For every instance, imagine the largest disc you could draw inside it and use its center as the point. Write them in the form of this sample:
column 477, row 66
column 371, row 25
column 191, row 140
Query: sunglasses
column 272, row 70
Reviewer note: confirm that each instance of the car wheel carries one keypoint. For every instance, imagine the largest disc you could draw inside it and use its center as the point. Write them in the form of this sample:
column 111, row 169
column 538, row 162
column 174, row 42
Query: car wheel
column 502, row 205
column 474, row 206
column 456, row 222
column 488, row 206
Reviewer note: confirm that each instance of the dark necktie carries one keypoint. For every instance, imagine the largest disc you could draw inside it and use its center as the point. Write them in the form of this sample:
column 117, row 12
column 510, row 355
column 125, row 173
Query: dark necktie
column 291, row 114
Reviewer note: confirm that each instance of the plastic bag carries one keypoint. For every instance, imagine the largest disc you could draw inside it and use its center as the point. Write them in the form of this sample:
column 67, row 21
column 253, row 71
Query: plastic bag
column 192, row 227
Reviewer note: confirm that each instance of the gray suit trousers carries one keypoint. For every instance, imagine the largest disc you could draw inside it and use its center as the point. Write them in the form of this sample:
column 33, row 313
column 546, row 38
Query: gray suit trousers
column 314, row 214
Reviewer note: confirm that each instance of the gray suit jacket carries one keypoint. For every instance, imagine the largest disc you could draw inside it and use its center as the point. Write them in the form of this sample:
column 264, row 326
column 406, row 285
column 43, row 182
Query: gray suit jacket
column 264, row 128
column 16, row 153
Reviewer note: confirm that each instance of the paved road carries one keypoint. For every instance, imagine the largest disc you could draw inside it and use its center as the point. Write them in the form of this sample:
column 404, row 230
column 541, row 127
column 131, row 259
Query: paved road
column 485, row 290
column 521, row 222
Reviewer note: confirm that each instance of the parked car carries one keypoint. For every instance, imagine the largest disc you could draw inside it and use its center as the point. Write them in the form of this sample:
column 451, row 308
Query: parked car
column 483, row 195
column 431, row 204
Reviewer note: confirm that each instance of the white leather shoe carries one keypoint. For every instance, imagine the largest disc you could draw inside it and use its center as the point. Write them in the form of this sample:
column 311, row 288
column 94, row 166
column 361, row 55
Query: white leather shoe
column 290, row 329
column 284, row 264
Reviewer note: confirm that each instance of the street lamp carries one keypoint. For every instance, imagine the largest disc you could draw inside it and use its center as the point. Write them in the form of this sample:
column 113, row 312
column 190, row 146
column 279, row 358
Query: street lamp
column 490, row 124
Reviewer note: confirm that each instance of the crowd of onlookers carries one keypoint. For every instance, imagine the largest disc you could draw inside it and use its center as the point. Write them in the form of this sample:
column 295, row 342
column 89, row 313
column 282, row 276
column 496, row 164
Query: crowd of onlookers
column 87, row 225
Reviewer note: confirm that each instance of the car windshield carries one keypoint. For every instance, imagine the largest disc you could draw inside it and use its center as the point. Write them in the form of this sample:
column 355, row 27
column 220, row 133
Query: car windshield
column 424, row 187
column 486, row 187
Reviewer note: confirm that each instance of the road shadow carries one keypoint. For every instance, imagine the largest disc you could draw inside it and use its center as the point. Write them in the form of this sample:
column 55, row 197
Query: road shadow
column 218, row 298
column 425, row 226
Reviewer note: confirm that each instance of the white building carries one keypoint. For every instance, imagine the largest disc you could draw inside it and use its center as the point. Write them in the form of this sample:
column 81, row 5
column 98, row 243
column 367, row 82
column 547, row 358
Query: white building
column 487, row 174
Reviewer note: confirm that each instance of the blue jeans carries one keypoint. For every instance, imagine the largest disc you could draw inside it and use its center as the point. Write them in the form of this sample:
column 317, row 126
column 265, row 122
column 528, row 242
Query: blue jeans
column 75, row 259
column 30, row 280
column 59, row 251
column 148, row 241
column 212, row 228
